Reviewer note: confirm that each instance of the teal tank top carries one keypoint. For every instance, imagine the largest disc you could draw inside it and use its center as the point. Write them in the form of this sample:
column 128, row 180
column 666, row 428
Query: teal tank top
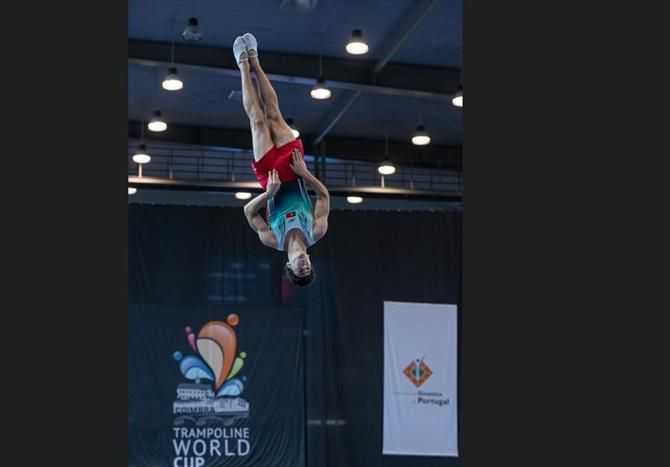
column 289, row 209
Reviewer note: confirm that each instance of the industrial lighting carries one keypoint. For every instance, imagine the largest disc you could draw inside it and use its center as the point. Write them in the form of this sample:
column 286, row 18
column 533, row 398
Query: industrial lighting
column 420, row 138
column 386, row 168
column 320, row 90
column 457, row 100
column 157, row 123
column 357, row 45
column 132, row 190
column 172, row 81
column 289, row 122
column 141, row 156
column 354, row 199
column 242, row 195
column 192, row 30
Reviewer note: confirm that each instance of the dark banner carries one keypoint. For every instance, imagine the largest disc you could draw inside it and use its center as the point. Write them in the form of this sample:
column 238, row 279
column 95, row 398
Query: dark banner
column 216, row 386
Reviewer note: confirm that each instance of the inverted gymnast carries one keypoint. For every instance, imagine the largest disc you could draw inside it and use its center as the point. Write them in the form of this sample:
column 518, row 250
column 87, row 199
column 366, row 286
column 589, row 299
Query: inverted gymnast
column 292, row 224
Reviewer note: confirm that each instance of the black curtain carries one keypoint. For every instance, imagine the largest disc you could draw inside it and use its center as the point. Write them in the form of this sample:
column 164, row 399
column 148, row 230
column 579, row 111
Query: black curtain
column 367, row 258
column 209, row 256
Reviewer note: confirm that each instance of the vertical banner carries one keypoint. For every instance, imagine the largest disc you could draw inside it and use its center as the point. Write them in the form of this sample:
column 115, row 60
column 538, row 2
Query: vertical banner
column 420, row 372
column 213, row 386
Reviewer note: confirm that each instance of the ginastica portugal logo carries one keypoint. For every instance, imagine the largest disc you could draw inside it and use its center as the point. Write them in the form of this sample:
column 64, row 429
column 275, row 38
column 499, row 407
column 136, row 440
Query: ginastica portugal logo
column 417, row 372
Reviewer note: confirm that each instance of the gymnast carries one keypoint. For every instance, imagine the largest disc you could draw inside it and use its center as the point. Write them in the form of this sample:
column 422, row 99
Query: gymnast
column 292, row 225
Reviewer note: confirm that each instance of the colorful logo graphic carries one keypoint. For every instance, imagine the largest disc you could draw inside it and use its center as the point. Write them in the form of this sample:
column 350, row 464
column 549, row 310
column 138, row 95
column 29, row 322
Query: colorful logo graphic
column 417, row 372
column 217, row 365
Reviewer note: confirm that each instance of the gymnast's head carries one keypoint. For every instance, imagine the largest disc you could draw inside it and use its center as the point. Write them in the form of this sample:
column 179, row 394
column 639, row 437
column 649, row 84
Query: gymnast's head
column 299, row 270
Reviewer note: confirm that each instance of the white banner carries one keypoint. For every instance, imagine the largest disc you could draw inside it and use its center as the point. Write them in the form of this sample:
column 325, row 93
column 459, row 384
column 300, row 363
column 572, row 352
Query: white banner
column 420, row 365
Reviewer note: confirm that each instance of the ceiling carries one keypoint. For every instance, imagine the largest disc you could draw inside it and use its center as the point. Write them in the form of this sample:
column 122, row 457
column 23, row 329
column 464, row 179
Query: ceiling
column 422, row 40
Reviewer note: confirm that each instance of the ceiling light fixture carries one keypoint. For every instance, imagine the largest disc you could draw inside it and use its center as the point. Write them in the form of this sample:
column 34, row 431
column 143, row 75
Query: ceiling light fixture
column 141, row 156
column 356, row 45
column 192, row 31
column 386, row 167
column 457, row 100
column 320, row 91
column 157, row 123
column 421, row 137
column 291, row 123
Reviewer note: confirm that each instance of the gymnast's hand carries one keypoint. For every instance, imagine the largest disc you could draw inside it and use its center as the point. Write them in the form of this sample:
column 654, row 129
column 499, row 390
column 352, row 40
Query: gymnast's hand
column 298, row 165
column 273, row 183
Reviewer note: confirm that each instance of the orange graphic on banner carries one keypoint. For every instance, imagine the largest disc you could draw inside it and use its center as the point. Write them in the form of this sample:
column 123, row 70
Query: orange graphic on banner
column 417, row 372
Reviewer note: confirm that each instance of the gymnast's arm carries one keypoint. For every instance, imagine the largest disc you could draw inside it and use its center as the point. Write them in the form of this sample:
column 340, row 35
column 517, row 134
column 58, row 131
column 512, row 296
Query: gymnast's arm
column 322, row 205
column 255, row 220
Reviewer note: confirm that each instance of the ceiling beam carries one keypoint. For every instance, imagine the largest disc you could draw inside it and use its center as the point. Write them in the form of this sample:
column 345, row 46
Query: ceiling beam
column 397, row 79
column 419, row 13
column 402, row 154
column 371, row 191
column 398, row 38
column 335, row 114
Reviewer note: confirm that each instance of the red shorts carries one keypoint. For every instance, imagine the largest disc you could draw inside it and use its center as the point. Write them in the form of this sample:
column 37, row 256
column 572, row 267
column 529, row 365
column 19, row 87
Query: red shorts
column 277, row 158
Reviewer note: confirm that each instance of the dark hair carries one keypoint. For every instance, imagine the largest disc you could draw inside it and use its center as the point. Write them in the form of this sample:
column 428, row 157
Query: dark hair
column 298, row 281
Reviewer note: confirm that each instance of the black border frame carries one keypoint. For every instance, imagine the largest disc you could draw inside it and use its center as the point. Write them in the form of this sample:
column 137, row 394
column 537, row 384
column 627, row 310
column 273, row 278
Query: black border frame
column 566, row 239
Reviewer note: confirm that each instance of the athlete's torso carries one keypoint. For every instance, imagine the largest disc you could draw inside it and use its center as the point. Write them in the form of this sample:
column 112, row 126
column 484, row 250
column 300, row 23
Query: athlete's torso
column 289, row 209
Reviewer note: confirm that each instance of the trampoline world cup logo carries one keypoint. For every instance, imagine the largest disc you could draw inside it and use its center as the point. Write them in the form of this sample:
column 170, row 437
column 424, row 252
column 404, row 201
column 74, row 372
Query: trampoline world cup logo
column 216, row 360
column 210, row 412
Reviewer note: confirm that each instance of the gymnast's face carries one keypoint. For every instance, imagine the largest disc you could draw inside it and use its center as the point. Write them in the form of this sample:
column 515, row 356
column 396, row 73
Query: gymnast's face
column 300, row 265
